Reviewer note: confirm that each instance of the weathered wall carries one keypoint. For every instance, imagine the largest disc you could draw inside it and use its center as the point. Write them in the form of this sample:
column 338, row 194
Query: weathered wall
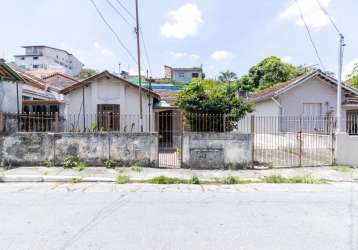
column 346, row 149
column 29, row 149
column 216, row 150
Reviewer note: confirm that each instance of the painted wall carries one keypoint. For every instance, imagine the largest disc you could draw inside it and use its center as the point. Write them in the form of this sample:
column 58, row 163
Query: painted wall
column 216, row 150
column 185, row 75
column 109, row 91
column 8, row 97
column 266, row 108
column 346, row 149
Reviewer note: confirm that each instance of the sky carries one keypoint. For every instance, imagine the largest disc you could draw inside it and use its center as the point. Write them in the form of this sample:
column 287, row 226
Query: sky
column 218, row 34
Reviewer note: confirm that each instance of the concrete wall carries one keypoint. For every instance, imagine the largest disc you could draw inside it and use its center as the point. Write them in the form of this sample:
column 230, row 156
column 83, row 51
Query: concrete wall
column 30, row 149
column 216, row 150
column 346, row 149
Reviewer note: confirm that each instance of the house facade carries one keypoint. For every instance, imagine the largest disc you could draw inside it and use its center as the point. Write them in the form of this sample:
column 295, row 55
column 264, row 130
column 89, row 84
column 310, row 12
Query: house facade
column 107, row 102
column 311, row 95
column 183, row 74
column 43, row 59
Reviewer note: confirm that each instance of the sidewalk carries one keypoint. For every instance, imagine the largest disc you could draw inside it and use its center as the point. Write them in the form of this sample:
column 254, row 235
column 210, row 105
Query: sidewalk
column 101, row 174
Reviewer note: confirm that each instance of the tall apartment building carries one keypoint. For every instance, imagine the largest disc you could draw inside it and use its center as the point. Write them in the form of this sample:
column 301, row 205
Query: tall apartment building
column 47, row 59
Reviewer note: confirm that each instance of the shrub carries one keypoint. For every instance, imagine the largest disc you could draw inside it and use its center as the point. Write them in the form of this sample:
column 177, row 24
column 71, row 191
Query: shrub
column 70, row 162
column 136, row 168
column 122, row 179
column 109, row 164
column 48, row 163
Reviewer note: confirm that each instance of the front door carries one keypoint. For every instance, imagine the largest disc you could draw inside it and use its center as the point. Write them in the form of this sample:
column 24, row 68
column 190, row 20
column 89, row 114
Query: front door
column 108, row 117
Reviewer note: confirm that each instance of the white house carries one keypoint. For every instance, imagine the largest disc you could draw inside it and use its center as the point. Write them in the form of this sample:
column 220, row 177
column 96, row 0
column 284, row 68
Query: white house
column 106, row 101
column 310, row 96
column 42, row 59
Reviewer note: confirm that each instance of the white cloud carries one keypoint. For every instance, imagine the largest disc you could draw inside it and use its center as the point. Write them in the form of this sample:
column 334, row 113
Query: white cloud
column 312, row 12
column 347, row 69
column 287, row 59
column 222, row 55
column 184, row 56
column 104, row 51
column 184, row 22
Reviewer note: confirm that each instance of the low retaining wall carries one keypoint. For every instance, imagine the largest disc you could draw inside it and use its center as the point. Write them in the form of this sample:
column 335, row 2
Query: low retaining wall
column 31, row 149
column 216, row 150
column 346, row 149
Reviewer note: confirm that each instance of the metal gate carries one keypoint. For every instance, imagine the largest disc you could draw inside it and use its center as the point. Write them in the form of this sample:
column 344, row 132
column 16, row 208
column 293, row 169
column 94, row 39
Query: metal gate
column 170, row 129
column 293, row 141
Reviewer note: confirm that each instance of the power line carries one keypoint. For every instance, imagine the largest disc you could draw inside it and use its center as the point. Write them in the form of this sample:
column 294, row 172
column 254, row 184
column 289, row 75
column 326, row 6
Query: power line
column 120, row 14
column 310, row 35
column 329, row 17
column 126, row 10
column 113, row 31
column 140, row 30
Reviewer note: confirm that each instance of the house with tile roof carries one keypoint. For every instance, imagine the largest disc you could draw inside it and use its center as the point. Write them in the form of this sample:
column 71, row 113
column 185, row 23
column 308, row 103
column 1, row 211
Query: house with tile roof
column 108, row 102
column 313, row 94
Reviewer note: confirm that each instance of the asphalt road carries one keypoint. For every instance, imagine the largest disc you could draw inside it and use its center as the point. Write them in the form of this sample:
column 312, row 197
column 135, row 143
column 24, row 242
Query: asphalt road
column 109, row 216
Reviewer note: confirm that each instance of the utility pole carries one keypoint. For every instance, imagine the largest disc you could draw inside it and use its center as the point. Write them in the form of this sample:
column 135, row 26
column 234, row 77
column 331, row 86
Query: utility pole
column 139, row 67
column 119, row 68
column 339, row 84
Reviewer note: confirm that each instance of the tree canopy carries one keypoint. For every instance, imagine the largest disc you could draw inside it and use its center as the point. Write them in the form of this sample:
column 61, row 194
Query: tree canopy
column 353, row 77
column 272, row 70
column 85, row 73
column 227, row 76
column 210, row 97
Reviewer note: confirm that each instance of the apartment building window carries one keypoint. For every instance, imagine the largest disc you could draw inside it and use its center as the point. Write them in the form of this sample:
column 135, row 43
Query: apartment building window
column 35, row 57
column 195, row 75
column 35, row 66
column 181, row 75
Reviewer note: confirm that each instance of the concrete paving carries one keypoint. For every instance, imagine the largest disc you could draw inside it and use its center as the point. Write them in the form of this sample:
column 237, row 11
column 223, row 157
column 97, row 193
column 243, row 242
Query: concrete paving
column 109, row 216
column 93, row 174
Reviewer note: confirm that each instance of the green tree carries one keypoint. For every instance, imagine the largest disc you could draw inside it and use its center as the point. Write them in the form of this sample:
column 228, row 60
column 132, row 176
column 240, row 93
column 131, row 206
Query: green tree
column 85, row 73
column 353, row 77
column 227, row 76
column 271, row 71
column 206, row 102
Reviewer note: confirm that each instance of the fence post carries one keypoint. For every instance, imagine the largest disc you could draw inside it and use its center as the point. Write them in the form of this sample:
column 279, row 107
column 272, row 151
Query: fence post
column 300, row 141
column 253, row 140
column 2, row 122
column 56, row 122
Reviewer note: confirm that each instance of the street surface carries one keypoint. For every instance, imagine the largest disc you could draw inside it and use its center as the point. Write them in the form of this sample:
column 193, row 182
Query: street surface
column 109, row 216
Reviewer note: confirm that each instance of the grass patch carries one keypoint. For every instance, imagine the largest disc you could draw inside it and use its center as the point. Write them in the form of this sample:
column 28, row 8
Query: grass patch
column 136, row 168
column 80, row 166
column 123, row 179
column 232, row 180
column 2, row 175
column 171, row 181
column 343, row 169
column 75, row 180
column 305, row 179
